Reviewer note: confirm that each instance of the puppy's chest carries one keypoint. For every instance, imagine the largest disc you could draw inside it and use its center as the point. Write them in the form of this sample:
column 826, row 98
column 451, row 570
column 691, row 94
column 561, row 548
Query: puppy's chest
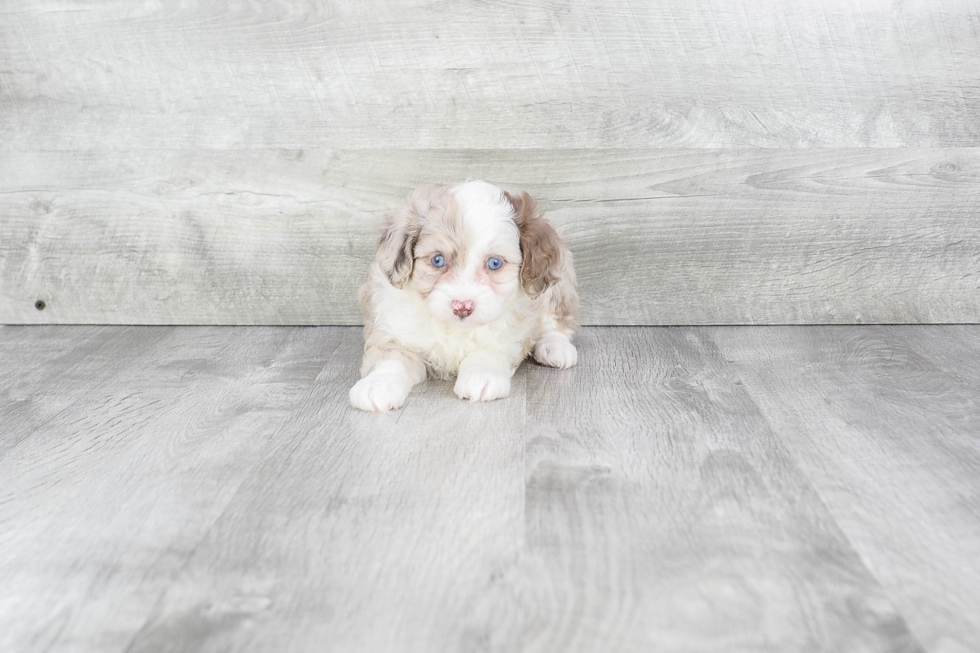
column 444, row 349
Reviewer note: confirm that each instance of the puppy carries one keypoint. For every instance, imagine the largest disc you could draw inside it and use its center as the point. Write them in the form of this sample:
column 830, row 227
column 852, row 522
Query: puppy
column 468, row 281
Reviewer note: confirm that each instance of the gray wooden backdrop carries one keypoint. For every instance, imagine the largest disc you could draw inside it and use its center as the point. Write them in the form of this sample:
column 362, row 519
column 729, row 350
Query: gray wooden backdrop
column 712, row 161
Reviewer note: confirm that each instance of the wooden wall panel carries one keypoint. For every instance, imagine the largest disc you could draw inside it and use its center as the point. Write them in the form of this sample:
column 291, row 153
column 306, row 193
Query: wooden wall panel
column 118, row 74
column 660, row 237
column 712, row 161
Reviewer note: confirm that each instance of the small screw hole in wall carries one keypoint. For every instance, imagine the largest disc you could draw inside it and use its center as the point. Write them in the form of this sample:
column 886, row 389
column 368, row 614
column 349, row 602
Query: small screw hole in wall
column 40, row 305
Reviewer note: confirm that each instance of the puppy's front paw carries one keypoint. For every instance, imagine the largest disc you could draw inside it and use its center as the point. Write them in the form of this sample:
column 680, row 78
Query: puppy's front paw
column 482, row 385
column 556, row 351
column 379, row 392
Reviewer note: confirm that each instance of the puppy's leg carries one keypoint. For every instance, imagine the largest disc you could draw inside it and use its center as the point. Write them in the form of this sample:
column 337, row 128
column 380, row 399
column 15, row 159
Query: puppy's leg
column 485, row 375
column 559, row 322
column 389, row 375
column 555, row 349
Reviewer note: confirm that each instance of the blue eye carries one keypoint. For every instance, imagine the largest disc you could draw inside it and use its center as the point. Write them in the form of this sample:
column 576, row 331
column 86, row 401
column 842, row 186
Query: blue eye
column 438, row 260
column 494, row 263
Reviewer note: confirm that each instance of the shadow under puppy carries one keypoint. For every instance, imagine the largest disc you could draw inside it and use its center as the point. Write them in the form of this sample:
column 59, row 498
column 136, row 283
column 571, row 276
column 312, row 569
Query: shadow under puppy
column 468, row 281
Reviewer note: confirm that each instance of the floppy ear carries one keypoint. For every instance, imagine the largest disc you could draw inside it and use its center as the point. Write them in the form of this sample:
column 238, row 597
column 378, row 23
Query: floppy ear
column 396, row 247
column 541, row 246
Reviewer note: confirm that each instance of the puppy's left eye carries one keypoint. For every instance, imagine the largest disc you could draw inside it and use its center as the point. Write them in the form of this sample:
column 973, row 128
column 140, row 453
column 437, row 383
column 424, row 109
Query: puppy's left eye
column 494, row 263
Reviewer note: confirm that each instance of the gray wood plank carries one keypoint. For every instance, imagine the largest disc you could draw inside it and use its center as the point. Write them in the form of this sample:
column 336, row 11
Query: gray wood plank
column 660, row 237
column 363, row 532
column 48, row 371
column 730, row 489
column 412, row 73
column 664, row 514
column 109, row 494
column 885, row 423
column 30, row 355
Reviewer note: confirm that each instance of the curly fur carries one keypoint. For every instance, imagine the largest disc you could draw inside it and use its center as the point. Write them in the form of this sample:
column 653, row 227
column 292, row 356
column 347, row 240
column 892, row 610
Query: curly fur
column 527, row 306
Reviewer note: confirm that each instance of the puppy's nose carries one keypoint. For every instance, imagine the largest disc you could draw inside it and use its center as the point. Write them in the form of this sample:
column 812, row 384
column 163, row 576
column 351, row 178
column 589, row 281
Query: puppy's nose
column 462, row 308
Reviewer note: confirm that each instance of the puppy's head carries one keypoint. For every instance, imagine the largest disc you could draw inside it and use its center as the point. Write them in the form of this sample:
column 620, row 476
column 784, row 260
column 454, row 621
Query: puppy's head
column 468, row 250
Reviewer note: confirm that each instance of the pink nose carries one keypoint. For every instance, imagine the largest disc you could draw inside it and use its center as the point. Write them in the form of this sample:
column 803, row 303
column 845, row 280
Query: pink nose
column 461, row 308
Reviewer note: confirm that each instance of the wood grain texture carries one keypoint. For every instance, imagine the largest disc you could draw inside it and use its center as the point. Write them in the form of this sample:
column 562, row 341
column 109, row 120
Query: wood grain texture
column 660, row 237
column 118, row 456
column 48, row 372
column 885, row 423
column 363, row 532
column 683, row 489
column 417, row 73
column 664, row 514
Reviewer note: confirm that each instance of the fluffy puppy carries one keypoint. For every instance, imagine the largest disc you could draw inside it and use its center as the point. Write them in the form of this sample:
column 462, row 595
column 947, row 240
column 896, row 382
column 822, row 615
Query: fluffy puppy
column 468, row 281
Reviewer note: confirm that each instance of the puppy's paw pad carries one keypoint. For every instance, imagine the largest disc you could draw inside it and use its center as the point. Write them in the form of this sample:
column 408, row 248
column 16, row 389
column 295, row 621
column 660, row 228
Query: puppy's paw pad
column 482, row 386
column 555, row 352
column 379, row 393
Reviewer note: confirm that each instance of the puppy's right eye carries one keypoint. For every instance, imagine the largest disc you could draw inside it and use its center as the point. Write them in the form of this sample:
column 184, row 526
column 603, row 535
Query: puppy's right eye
column 438, row 260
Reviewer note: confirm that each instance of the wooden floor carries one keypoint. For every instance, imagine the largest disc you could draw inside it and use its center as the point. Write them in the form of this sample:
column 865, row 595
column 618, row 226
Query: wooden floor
column 683, row 489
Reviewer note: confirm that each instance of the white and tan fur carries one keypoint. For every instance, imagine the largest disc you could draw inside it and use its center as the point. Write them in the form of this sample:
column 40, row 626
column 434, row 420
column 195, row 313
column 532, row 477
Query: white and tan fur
column 464, row 319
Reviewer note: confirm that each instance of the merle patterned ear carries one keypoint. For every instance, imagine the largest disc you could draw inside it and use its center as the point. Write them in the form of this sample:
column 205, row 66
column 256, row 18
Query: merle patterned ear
column 541, row 246
column 396, row 247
